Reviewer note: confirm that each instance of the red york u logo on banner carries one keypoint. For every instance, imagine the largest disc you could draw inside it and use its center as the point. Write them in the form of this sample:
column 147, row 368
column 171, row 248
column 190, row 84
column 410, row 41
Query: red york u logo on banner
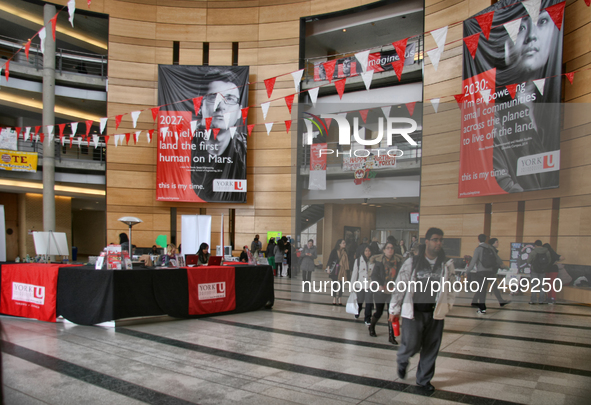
column 549, row 162
column 238, row 185
column 39, row 292
column 221, row 287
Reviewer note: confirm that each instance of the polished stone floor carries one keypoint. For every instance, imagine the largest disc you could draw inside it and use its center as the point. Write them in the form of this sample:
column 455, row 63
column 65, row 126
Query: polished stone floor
column 304, row 351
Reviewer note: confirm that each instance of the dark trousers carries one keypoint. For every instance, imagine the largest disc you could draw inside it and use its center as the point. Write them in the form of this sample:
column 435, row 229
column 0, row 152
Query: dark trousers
column 480, row 296
column 364, row 296
column 375, row 300
column 421, row 334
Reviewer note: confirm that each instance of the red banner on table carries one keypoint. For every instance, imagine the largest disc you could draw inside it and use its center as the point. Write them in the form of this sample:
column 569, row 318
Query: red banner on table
column 29, row 290
column 211, row 289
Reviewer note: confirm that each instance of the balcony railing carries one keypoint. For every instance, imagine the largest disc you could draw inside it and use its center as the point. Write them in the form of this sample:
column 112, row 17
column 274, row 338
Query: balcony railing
column 67, row 154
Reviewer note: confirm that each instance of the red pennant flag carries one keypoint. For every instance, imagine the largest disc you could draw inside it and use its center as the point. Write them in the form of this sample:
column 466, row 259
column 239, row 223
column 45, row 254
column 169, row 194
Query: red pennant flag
column 155, row 112
column 328, row 121
column 340, row 85
column 512, row 89
column 88, row 2
column 61, row 127
column 37, row 128
column 556, row 12
column 287, row 125
column 269, row 85
column 215, row 131
column 400, row 47
column 71, row 139
column 42, row 137
column 244, row 114
column 106, row 139
column 6, row 66
column 27, row 47
column 485, row 21
column 289, row 102
column 118, row 120
column 329, row 69
column 588, row 2
column 54, row 25
column 570, row 77
column 472, row 43
column 411, row 107
column 151, row 132
column 398, row 66
column 196, row 104
column 88, row 125
column 127, row 136
column 18, row 131
column 459, row 98
column 208, row 123
column 250, row 127
column 87, row 142
column 363, row 114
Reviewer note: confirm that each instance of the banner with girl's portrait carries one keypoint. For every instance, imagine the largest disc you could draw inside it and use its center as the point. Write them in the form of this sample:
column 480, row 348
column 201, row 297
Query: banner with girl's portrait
column 510, row 104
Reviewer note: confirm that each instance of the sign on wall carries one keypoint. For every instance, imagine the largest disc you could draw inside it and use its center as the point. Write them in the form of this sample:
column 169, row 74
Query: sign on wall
column 206, row 162
column 510, row 109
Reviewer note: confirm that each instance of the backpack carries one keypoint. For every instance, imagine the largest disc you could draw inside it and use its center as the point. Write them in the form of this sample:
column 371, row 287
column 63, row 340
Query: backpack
column 488, row 258
column 541, row 263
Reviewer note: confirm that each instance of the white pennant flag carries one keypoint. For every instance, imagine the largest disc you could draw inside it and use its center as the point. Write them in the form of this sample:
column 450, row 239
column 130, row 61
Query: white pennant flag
column 435, row 55
column 533, row 9
column 193, row 128
column 95, row 140
column 362, row 58
column 486, row 95
column 50, row 132
column 297, row 78
column 440, row 36
column 79, row 142
column 540, row 85
column 116, row 139
column 218, row 99
column 103, row 124
column 71, row 9
column 265, row 107
column 512, row 28
column 227, row 119
column 148, row 136
column 386, row 111
column 42, row 34
column 367, row 78
column 27, row 130
column 163, row 132
column 137, row 136
column 134, row 116
column 74, row 126
column 207, row 134
column 435, row 104
column 176, row 137
column 269, row 125
column 232, row 132
column 63, row 140
column 313, row 95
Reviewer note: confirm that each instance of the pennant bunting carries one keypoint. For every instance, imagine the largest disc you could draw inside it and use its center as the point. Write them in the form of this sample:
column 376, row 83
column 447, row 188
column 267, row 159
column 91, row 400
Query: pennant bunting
column 485, row 95
column 42, row 35
column 118, row 120
column 328, row 122
column 219, row 97
column 540, row 84
column 232, row 132
column 367, row 78
column 136, row 137
column 27, row 47
column 42, row 137
column 27, row 132
column 37, row 129
column 61, row 127
column 435, row 56
column 386, row 111
column 71, row 139
column 287, row 125
column 6, row 68
column 208, row 123
column 18, row 131
column 150, row 135
column 289, row 101
column 472, row 43
column 512, row 28
column 440, row 36
column 103, row 124
column 134, row 116
column 297, row 78
column 88, row 2
column 74, row 127
column 340, row 85
column 313, row 93
column 268, row 125
column 556, row 13
column 512, row 88
column 588, row 2
column 127, row 136
column 570, row 76
column 244, row 114
column 163, row 132
column 269, row 85
column 53, row 25
column 265, row 108
column 459, row 98
column 533, row 9
column 398, row 67
column 363, row 114
column 88, row 126
column 193, row 127
column 155, row 112
column 215, row 131
column 71, row 9
column 362, row 57
column 50, row 132
column 196, row 105
column 329, row 69
column 411, row 107
column 250, row 127
column 485, row 22
column 227, row 119
column 95, row 140
column 400, row 47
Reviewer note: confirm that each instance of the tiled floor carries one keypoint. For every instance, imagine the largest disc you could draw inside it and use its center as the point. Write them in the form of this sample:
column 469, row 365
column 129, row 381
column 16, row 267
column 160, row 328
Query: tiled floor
column 304, row 351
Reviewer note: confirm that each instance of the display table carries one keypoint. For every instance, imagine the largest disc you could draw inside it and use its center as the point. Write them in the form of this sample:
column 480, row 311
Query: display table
column 87, row 296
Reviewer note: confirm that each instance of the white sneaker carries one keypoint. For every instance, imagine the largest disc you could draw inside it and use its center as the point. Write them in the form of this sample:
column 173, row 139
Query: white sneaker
column 481, row 311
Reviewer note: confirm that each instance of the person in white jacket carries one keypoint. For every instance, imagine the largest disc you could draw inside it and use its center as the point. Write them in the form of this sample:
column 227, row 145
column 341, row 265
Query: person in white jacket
column 361, row 274
column 423, row 306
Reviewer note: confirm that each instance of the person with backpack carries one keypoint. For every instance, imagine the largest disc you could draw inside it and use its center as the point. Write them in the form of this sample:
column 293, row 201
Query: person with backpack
column 540, row 260
column 483, row 262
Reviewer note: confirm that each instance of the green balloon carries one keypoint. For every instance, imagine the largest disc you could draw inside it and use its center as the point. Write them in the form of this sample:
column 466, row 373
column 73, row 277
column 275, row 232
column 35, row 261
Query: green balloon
column 161, row 241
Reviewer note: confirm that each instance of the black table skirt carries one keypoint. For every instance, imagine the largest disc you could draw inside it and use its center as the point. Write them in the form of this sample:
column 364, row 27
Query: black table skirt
column 87, row 296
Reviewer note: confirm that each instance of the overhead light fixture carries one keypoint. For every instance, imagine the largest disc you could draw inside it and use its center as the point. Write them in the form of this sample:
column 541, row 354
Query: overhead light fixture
column 344, row 30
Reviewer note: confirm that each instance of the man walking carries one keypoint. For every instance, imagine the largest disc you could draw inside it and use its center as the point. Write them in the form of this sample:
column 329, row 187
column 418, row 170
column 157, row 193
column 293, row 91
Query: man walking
column 423, row 305
column 540, row 260
column 483, row 262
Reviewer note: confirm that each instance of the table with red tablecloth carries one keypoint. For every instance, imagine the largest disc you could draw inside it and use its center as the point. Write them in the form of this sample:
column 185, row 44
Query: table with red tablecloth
column 87, row 296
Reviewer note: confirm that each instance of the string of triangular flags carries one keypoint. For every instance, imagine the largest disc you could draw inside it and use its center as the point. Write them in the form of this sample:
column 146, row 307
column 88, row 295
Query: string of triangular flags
column 439, row 35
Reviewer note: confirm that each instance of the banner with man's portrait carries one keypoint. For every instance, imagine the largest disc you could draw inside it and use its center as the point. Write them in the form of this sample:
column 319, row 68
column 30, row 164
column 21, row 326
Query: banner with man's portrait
column 510, row 106
column 205, row 161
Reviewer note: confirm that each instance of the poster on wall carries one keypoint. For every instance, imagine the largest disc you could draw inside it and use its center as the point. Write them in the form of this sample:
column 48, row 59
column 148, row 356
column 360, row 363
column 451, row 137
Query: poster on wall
column 510, row 102
column 206, row 161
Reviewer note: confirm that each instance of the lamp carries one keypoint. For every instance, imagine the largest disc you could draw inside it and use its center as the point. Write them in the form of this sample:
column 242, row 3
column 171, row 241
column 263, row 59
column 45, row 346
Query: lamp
column 130, row 221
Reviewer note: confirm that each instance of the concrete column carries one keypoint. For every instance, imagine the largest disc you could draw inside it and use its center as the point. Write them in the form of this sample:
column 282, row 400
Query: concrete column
column 48, row 119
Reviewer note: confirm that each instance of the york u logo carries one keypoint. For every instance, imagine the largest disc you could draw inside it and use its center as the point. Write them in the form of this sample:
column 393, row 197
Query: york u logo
column 39, row 292
column 238, row 186
column 549, row 162
column 221, row 288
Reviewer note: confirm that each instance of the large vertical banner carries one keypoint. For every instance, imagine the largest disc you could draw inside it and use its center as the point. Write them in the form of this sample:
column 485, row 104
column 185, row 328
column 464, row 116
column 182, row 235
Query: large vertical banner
column 204, row 161
column 510, row 103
